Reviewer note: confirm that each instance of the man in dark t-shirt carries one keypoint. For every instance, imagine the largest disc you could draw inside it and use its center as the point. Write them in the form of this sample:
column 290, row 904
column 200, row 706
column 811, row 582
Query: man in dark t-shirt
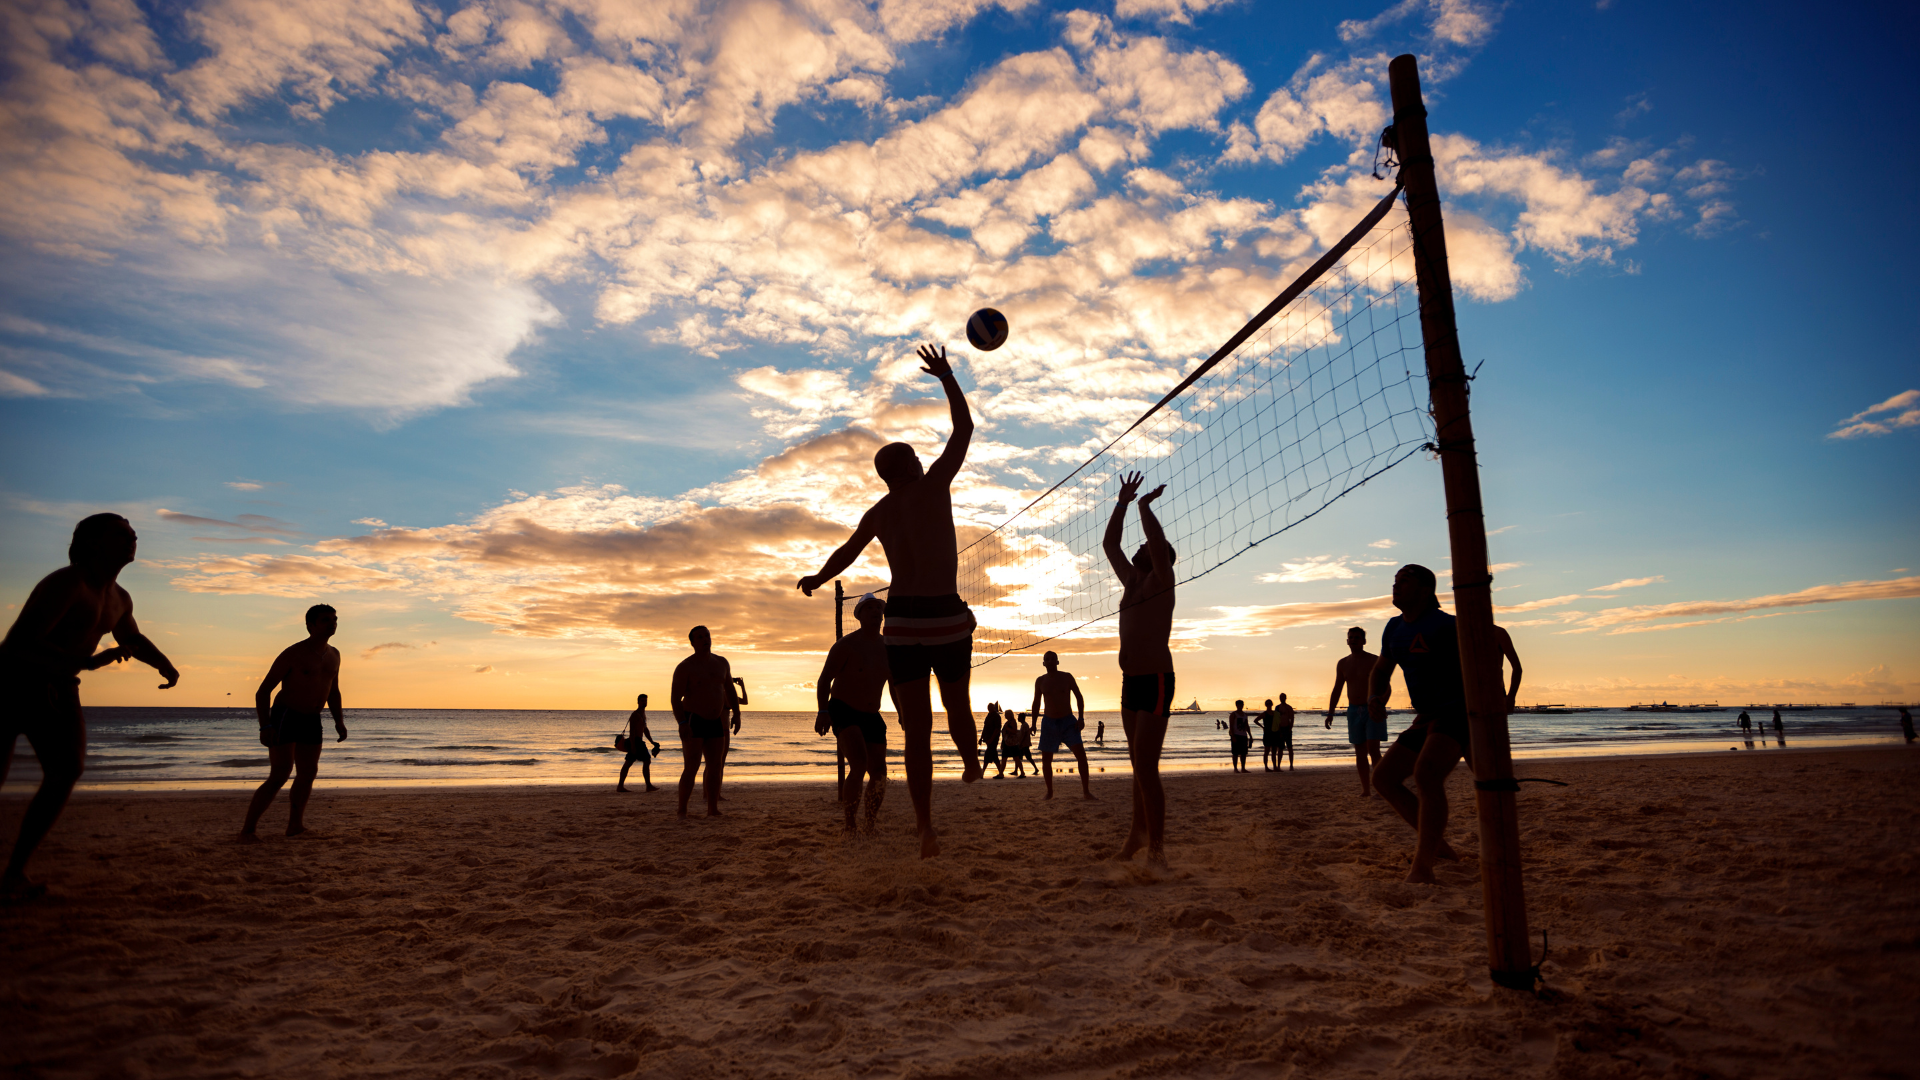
column 1422, row 642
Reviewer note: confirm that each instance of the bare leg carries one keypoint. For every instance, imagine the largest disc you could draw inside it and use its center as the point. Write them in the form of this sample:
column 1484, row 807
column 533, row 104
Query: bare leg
column 716, row 750
column 1437, row 759
column 622, row 785
column 1046, row 767
column 1276, row 756
column 1086, row 784
column 854, row 747
column 915, row 702
column 306, row 764
column 61, row 745
column 279, row 767
column 690, row 751
column 956, row 697
column 1366, row 772
column 1146, row 733
column 1390, row 780
column 646, row 772
column 876, row 782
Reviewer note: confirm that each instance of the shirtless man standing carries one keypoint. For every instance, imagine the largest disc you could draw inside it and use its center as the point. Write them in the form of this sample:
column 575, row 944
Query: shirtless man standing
column 703, row 702
column 1146, row 663
column 638, row 736
column 1352, row 674
column 50, row 644
column 308, row 675
column 1061, row 721
column 849, row 692
column 1423, row 643
column 929, row 630
column 1283, row 724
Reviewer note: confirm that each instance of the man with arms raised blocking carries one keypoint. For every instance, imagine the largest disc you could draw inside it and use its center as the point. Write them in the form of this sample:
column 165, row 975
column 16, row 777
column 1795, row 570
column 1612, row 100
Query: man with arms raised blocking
column 1424, row 644
column 928, row 629
column 1146, row 663
column 49, row 645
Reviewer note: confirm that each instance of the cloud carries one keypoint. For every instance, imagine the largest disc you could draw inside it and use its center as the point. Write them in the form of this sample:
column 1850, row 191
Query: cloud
column 1452, row 22
column 1846, row 592
column 370, row 522
column 1263, row 620
column 1630, row 583
column 1903, row 411
column 254, row 523
column 483, row 669
column 1172, row 11
column 389, row 646
column 1312, row 568
column 245, row 485
column 1384, row 544
column 1536, row 605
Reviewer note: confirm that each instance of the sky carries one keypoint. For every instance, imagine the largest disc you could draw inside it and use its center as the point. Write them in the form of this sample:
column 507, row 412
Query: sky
column 530, row 333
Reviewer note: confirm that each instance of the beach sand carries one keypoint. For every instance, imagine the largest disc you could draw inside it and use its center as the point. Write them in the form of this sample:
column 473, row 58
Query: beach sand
column 1737, row 915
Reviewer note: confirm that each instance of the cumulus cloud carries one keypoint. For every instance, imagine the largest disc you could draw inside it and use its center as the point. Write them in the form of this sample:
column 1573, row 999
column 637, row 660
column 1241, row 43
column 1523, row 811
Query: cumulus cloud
column 1312, row 568
column 1902, row 410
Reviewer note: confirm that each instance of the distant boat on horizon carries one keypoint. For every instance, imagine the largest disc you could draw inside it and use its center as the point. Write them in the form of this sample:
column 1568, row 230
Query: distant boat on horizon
column 1191, row 710
column 1664, row 707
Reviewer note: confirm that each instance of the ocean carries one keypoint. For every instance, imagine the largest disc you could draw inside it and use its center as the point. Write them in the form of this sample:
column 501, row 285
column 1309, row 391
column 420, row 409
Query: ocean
column 219, row 747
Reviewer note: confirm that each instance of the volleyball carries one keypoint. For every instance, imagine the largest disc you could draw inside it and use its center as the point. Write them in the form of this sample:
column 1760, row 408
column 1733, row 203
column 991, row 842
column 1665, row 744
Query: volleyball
column 987, row 329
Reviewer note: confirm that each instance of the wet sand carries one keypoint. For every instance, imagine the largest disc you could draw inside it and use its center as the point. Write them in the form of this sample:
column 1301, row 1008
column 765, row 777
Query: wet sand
column 1737, row 915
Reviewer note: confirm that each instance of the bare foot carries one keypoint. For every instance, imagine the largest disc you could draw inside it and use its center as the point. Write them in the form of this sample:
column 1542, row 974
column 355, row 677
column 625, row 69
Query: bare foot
column 1447, row 852
column 1157, row 859
column 714, row 811
column 621, row 789
column 18, row 890
column 296, row 830
column 1420, row 875
column 1134, row 843
column 1086, row 794
column 1048, row 795
column 929, row 845
column 653, row 787
column 972, row 772
column 246, row 838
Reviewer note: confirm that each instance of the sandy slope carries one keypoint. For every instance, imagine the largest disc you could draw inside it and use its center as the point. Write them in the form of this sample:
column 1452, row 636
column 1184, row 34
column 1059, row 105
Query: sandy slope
column 1736, row 915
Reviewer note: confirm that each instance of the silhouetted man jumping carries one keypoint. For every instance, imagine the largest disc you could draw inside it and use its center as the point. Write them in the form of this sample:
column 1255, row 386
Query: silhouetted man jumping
column 1062, row 720
column 49, row 645
column 308, row 675
column 849, row 692
column 1423, row 643
column 1146, row 663
column 929, row 629
column 703, row 701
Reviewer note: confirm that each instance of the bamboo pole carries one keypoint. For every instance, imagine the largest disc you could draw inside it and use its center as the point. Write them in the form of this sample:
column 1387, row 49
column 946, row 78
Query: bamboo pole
column 839, row 608
column 1508, row 947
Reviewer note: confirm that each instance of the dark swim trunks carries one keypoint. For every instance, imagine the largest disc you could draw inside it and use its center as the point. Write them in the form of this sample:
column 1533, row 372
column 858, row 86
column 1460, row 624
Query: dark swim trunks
column 286, row 727
column 1055, row 730
column 1147, row 693
column 39, row 705
column 871, row 725
column 928, row 635
column 699, row 727
column 1452, row 726
column 637, row 751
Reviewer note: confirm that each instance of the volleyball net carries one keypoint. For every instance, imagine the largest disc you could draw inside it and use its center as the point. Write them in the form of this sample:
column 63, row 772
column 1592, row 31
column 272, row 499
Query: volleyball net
column 1320, row 392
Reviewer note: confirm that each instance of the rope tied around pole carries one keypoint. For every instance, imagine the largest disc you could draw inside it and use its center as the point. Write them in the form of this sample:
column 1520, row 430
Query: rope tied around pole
column 1527, row 978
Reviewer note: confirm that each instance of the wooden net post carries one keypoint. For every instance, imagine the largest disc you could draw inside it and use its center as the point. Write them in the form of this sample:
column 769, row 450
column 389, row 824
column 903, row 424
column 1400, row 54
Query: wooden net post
column 1508, row 945
column 839, row 609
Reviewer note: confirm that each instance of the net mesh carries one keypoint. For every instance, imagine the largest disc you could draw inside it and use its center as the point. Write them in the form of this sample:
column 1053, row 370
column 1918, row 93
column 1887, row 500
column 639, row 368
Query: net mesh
column 1327, row 395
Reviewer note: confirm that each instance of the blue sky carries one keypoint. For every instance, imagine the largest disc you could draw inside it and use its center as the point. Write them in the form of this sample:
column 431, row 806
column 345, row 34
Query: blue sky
column 531, row 333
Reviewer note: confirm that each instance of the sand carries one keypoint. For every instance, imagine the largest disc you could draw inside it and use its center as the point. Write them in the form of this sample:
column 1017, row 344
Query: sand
column 1745, row 914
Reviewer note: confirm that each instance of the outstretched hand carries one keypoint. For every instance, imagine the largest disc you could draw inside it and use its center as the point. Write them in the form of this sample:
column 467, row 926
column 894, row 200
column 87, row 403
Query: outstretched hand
column 934, row 362
column 110, row 656
column 1152, row 495
column 1130, row 486
column 172, row 676
column 809, row 583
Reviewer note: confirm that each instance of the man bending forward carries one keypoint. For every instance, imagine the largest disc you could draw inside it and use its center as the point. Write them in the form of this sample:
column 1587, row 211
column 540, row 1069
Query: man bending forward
column 929, row 630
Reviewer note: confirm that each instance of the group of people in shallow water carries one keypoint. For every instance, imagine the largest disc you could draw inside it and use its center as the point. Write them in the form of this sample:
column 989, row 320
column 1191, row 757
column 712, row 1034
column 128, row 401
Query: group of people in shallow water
column 919, row 636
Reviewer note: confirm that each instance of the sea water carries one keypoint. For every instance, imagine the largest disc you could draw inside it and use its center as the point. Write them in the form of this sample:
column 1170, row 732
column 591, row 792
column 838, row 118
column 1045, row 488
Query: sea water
column 220, row 747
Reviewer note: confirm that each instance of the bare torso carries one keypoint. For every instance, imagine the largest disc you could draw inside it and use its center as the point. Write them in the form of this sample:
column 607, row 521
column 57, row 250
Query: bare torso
column 86, row 612
column 1146, row 624
column 1237, row 723
column 1055, row 690
column 307, row 671
column 915, row 528
column 859, row 663
column 1352, row 674
column 703, row 685
column 1282, row 716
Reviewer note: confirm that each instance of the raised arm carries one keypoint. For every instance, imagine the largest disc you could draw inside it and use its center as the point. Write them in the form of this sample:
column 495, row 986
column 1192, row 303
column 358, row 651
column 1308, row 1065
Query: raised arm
column 1116, row 524
column 947, row 465
column 1513, row 664
column 842, row 556
column 137, row 645
column 1156, row 539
